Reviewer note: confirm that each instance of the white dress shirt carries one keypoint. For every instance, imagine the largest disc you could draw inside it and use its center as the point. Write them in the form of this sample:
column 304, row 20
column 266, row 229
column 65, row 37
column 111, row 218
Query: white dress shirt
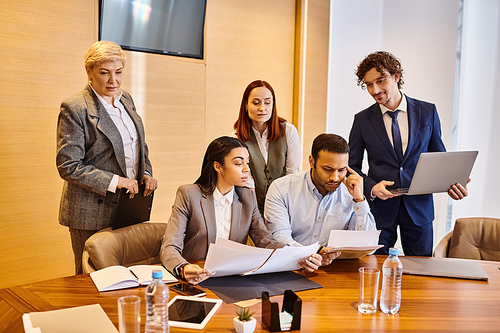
column 222, row 205
column 402, row 121
column 129, row 135
column 297, row 214
column 293, row 154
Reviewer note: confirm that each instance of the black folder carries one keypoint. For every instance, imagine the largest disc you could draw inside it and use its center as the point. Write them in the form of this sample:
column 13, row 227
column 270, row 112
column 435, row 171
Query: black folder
column 236, row 288
column 132, row 211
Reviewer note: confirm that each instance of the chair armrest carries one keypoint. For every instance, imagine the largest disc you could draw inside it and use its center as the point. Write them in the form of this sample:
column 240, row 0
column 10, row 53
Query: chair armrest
column 441, row 250
column 87, row 265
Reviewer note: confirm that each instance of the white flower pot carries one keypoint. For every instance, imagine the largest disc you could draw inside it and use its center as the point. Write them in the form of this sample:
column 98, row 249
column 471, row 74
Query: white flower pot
column 244, row 326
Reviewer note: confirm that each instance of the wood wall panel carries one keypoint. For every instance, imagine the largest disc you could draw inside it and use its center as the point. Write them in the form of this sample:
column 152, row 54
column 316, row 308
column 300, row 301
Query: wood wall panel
column 312, row 71
column 247, row 40
column 41, row 63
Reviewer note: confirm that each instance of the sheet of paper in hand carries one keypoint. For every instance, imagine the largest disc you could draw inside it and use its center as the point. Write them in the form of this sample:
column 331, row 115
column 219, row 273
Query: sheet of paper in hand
column 354, row 244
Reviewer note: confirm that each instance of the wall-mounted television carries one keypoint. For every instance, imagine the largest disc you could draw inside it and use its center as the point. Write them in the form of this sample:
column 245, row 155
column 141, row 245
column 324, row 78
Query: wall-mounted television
column 172, row 27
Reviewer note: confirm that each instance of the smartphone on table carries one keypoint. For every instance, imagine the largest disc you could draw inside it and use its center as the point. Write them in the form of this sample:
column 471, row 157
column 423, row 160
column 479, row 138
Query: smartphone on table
column 187, row 289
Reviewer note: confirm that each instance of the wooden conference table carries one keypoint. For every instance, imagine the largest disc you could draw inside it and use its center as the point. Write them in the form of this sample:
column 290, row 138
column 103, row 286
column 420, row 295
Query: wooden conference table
column 429, row 304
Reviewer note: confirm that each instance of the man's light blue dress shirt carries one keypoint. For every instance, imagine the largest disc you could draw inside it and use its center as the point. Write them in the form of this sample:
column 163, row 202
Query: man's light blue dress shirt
column 297, row 214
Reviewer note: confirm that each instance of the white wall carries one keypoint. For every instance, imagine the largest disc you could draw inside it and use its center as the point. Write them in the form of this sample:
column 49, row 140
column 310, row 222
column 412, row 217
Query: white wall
column 479, row 118
column 421, row 33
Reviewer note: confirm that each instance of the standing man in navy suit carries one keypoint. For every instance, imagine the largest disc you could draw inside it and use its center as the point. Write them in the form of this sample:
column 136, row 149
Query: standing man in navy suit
column 393, row 148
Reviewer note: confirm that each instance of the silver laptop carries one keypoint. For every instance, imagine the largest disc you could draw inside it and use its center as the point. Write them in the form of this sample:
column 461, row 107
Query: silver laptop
column 444, row 267
column 437, row 172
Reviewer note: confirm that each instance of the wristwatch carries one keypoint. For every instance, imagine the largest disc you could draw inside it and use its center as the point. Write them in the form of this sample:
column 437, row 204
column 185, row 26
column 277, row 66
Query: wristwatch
column 179, row 270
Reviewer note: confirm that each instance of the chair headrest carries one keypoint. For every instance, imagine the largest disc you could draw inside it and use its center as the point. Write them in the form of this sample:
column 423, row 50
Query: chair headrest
column 476, row 238
column 132, row 245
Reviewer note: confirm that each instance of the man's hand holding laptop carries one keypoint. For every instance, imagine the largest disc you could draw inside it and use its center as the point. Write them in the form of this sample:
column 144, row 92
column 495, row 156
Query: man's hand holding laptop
column 458, row 192
column 380, row 191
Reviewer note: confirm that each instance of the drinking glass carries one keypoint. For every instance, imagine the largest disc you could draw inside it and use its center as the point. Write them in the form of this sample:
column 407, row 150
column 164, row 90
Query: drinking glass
column 368, row 289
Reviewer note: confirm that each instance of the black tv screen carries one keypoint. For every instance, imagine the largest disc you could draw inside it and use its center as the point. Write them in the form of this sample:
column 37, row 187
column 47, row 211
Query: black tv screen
column 173, row 27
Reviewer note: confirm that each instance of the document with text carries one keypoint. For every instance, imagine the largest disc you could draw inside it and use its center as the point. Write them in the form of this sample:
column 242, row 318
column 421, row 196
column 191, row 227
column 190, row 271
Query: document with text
column 226, row 257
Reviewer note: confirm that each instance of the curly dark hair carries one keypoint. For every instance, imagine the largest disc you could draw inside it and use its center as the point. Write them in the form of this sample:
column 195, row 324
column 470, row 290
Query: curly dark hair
column 380, row 60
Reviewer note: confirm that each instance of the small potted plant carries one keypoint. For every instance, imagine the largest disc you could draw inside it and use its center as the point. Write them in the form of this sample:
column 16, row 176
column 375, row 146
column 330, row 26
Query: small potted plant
column 244, row 323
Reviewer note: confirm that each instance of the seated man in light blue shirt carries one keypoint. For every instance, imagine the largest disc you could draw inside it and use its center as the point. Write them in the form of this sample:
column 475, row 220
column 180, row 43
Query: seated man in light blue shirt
column 302, row 208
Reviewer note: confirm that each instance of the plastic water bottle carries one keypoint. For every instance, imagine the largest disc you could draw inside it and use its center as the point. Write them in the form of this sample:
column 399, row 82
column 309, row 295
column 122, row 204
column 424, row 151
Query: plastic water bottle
column 157, row 305
column 392, row 270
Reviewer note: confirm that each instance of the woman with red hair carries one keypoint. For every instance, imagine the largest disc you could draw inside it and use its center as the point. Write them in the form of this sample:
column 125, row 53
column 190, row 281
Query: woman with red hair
column 273, row 143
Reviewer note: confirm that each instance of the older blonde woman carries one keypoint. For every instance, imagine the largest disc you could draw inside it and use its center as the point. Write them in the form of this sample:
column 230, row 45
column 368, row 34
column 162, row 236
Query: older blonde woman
column 101, row 147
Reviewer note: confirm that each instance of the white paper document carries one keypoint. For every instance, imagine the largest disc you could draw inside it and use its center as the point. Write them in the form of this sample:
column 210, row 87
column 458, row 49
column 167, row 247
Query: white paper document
column 226, row 257
column 353, row 243
column 81, row 319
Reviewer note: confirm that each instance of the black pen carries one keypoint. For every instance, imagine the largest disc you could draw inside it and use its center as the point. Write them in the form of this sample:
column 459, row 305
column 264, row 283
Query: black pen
column 134, row 274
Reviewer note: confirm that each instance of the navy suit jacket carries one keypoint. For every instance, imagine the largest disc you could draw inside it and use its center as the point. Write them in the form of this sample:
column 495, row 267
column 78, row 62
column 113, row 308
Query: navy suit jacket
column 368, row 133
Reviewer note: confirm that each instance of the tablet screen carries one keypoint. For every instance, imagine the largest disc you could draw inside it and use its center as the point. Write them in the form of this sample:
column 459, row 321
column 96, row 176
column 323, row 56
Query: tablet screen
column 191, row 312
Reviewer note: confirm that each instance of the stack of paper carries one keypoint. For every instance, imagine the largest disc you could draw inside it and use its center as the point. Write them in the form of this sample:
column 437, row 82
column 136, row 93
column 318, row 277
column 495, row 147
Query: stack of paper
column 226, row 257
column 353, row 244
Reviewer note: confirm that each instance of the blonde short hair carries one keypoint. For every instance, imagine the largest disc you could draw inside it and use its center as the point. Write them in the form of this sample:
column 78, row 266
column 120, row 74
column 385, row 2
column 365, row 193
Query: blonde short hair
column 103, row 51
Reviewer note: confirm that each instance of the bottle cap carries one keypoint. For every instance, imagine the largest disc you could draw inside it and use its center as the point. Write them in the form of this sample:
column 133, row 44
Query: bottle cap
column 157, row 274
column 393, row 251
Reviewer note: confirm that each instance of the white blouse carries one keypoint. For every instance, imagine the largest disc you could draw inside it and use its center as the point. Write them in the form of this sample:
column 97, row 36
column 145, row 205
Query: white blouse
column 222, row 205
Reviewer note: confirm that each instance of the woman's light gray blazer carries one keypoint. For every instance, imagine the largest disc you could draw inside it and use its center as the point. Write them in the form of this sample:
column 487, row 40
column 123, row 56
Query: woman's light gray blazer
column 192, row 225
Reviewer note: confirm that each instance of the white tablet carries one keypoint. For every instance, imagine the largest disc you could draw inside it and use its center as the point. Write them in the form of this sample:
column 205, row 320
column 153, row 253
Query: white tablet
column 191, row 312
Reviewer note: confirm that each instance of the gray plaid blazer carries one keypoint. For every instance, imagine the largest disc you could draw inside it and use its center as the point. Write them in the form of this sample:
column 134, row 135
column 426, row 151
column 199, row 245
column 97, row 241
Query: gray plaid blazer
column 89, row 152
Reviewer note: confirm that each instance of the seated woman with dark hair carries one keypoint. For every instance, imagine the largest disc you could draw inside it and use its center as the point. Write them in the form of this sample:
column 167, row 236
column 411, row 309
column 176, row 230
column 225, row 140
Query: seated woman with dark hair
column 216, row 205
